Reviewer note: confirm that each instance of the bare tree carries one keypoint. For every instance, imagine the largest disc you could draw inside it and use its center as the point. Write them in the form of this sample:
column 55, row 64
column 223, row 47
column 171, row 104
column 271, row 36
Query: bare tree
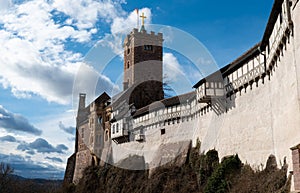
column 168, row 91
column 5, row 177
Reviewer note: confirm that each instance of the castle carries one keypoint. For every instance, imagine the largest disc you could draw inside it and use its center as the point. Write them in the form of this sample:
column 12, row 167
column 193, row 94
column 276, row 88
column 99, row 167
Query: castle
column 250, row 106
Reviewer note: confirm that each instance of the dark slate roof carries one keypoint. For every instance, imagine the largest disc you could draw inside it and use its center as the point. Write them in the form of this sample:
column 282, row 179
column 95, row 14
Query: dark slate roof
column 240, row 61
column 233, row 66
column 276, row 9
column 121, row 98
column 121, row 102
column 168, row 102
column 102, row 98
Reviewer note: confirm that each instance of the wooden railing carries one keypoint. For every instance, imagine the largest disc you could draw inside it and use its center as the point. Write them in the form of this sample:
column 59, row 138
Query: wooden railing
column 246, row 78
column 163, row 117
column 279, row 35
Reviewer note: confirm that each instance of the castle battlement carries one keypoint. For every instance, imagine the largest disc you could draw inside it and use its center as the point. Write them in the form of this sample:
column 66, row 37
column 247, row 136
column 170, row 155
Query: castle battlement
column 152, row 34
column 140, row 38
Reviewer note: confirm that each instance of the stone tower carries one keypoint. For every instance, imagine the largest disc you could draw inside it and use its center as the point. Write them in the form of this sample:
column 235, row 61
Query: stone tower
column 143, row 67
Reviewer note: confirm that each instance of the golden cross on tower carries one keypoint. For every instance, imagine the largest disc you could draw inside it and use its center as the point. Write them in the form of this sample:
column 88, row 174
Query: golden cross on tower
column 143, row 18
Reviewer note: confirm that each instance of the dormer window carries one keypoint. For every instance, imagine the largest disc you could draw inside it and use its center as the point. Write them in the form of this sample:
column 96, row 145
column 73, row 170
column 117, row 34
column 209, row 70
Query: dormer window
column 148, row 47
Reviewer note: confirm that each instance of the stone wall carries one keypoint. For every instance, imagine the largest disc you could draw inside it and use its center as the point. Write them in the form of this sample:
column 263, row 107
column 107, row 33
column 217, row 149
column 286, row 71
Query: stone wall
column 83, row 160
column 69, row 173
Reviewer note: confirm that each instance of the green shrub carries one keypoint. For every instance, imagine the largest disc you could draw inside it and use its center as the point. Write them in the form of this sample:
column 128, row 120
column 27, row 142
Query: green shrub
column 219, row 181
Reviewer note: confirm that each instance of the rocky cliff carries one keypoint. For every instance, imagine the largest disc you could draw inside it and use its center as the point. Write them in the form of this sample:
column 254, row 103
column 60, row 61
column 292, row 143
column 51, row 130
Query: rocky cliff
column 194, row 172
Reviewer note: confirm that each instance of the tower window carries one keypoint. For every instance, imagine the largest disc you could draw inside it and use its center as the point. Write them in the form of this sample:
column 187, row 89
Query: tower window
column 82, row 132
column 163, row 131
column 117, row 131
column 128, row 64
column 113, row 131
column 128, row 50
column 148, row 47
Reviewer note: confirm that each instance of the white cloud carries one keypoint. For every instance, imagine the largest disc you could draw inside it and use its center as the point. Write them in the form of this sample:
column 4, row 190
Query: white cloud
column 173, row 70
column 85, row 13
column 123, row 24
column 15, row 123
column 177, row 76
column 5, row 5
column 35, row 60
column 68, row 129
column 120, row 27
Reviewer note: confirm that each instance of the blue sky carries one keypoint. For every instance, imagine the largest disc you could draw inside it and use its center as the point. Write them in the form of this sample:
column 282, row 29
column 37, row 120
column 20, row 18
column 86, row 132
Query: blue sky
column 45, row 42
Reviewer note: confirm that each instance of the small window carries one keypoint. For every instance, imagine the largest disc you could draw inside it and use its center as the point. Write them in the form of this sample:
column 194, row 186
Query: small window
column 162, row 131
column 148, row 47
column 128, row 50
column 117, row 130
column 100, row 120
column 113, row 131
column 128, row 64
column 82, row 132
column 220, row 85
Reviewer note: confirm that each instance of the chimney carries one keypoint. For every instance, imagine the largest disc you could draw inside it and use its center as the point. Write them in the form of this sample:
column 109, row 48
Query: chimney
column 81, row 101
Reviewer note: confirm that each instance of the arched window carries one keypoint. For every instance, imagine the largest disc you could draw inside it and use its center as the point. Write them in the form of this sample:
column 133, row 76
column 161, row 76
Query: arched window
column 128, row 64
column 113, row 131
column 117, row 128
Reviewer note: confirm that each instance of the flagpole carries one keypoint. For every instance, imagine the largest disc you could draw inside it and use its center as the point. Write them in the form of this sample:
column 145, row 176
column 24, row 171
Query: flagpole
column 137, row 18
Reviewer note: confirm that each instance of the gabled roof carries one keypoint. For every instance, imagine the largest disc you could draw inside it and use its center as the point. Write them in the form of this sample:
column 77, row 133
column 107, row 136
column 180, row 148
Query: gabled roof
column 102, row 98
column 121, row 98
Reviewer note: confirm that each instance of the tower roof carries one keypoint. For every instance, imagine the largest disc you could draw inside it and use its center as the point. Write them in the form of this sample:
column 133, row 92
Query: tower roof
column 142, row 28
